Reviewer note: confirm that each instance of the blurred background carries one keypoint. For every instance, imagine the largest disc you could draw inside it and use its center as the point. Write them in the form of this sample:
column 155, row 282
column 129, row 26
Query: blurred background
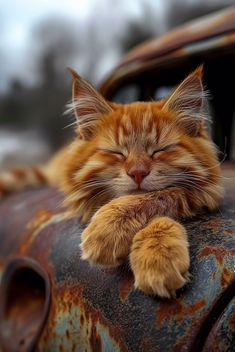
column 40, row 39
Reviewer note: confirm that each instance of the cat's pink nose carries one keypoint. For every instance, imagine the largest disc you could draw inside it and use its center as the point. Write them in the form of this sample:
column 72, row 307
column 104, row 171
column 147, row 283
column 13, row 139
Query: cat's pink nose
column 138, row 173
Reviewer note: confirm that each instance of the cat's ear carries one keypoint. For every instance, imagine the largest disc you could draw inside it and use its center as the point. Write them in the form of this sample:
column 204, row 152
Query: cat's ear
column 87, row 104
column 188, row 101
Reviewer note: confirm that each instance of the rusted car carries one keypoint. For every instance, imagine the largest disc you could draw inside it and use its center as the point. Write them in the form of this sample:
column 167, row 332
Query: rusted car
column 50, row 300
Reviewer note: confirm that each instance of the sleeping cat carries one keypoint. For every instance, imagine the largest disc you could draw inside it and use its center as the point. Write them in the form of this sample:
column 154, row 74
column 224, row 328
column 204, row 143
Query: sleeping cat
column 131, row 172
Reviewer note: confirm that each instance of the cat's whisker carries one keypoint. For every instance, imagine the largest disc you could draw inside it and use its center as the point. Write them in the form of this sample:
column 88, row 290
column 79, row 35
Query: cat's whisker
column 209, row 168
column 190, row 174
column 193, row 182
column 70, row 125
column 194, row 179
column 100, row 194
column 202, row 168
column 190, row 189
column 93, row 185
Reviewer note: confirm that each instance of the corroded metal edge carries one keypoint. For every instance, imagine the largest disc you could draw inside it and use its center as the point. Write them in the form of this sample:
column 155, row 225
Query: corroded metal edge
column 9, row 340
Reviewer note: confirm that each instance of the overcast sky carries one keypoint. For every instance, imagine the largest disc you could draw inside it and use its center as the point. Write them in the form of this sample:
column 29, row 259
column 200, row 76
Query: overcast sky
column 19, row 17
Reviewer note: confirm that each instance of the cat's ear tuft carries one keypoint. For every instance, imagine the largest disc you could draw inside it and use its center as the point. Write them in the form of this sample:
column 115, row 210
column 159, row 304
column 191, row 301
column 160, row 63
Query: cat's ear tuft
column 88, row 105
column 188, row 101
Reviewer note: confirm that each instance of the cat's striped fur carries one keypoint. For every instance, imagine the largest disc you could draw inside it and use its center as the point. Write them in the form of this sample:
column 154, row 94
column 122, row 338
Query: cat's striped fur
column 131, row 172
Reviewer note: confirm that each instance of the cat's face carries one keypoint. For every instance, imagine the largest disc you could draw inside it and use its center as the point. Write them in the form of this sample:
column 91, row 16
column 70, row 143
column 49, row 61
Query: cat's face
column 138, row 147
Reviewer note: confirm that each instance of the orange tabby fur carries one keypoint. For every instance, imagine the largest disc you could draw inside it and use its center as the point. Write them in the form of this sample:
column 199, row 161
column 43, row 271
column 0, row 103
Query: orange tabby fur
column 131, row 172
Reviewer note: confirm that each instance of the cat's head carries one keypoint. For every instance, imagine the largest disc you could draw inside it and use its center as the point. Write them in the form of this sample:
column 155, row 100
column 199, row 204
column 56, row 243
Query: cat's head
column 138, row 147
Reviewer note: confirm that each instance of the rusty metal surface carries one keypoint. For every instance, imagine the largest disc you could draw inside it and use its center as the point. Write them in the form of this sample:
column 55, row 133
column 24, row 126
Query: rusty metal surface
column 206, row 37
column 222, row 335
column 197, row 30
column 25, row 296
column 95, row 309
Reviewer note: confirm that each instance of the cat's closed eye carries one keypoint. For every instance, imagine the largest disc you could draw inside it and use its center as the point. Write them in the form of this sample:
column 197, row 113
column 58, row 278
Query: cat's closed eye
column 171, row 146
column 111, row 151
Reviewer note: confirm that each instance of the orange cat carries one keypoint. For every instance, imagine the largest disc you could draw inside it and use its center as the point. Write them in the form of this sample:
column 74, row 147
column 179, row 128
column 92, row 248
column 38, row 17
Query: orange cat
column 131, row 172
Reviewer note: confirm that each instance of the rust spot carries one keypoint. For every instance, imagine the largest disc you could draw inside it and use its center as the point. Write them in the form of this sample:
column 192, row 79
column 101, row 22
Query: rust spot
column 146, row 345
column 86, row 315
column 126, row 285
column 188, row 336
column 177, row 309
column 32, row 244
column 3, row 190
column 89, row 317
column 2, row 264
column 81, row 319
column 39, row 175
column 72, row 293
column 95, row 340
column 19, row 173
column 214, row 224
column 218, row 252
column 230, row 231
column 39, row 218
column 226, row 278
column 232, row 321
column 69, row 306
column 181, row 343
column 213, row 275
column 67, row 334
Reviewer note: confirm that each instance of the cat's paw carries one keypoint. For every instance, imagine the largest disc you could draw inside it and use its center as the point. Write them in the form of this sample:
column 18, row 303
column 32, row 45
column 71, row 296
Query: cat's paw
column 107, row 239
column 159, row 258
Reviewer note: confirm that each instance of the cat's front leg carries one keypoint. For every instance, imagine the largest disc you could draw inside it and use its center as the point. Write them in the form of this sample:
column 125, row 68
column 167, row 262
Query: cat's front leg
column 107, row 239
column 160, row 258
